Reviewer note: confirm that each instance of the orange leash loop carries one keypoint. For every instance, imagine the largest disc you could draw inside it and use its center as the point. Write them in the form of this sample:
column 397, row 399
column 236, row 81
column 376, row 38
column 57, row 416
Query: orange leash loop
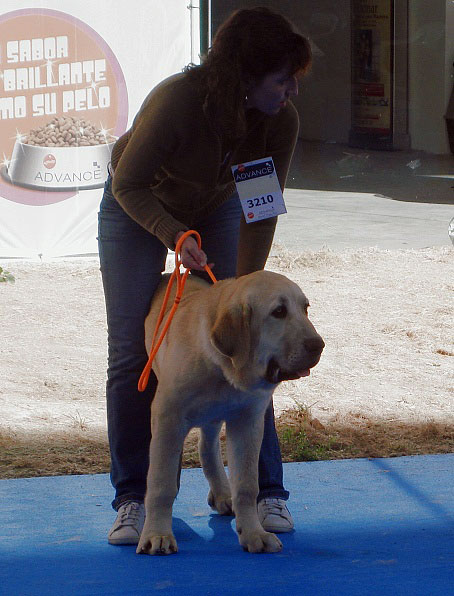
column 181, row 280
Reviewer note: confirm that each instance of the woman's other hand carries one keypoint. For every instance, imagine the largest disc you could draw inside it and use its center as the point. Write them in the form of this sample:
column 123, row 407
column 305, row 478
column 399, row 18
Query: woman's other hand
column 192, row 256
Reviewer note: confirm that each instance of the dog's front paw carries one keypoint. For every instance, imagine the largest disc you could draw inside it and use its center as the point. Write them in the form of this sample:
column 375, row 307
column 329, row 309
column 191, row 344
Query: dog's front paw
column 157, row 545
column 260, row 542
column 222, row 503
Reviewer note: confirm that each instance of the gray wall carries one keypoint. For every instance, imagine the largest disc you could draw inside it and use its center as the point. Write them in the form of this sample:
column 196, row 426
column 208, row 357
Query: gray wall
column 429, row 74
column 325, row 94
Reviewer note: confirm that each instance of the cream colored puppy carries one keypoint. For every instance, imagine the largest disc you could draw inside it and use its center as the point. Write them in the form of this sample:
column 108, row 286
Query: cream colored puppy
column 228, row 347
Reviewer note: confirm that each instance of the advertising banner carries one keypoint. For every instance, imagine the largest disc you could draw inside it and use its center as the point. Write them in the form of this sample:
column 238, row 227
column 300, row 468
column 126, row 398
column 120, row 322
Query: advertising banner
column 71, row 81
column 372, row 67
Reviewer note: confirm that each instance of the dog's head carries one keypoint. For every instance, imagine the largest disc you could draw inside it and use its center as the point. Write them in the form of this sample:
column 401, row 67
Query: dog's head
column 264, row 332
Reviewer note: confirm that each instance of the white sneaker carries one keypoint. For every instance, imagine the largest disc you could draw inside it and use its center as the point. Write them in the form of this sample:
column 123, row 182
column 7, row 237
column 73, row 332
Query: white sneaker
column 128, row 525
column 274, row 515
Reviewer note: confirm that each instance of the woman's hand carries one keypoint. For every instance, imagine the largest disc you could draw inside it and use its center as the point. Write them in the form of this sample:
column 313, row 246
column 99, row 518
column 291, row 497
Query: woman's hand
column 192, row 256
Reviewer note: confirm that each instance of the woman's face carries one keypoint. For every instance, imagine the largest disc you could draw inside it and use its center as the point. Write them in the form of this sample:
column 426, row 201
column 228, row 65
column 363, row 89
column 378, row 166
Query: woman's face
column 271, row 93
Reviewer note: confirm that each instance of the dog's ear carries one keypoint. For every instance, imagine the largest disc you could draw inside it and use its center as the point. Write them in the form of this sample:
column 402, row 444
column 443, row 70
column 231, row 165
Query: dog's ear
column 232, row 334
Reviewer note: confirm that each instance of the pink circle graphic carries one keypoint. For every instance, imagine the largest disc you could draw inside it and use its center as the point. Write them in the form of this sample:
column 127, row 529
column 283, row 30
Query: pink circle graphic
column 116, row 114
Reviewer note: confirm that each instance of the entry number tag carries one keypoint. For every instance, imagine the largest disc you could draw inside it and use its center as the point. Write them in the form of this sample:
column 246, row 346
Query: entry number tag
column 258, row 187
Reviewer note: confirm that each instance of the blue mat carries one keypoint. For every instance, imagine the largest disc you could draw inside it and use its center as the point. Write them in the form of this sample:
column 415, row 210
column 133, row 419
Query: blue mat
column 381, row 526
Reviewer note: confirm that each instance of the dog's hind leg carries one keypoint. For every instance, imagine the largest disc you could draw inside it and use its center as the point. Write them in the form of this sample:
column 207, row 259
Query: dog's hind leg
column 219, row 497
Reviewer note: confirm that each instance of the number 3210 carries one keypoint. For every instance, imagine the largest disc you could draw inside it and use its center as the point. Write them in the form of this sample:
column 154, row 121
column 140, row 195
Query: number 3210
column 260, row 201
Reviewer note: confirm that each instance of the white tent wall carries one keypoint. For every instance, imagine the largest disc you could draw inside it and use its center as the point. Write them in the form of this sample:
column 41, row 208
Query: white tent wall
column 149, row 40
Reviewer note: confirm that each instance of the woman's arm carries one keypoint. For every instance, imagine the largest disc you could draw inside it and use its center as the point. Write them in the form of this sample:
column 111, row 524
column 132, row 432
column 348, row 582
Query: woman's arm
column 254, row 245
column 152, row 141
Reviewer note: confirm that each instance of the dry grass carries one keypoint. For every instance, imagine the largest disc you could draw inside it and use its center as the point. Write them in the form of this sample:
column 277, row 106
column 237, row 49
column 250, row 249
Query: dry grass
column 37, row 454
column 302, row 437
column 305, row 438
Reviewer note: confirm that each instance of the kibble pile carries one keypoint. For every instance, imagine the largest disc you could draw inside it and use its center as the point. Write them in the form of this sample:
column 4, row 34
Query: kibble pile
column 68, row 132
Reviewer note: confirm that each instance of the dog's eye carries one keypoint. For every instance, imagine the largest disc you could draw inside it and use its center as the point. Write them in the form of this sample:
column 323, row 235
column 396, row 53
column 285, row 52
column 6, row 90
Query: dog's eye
column 306, row 308
column 280, row 312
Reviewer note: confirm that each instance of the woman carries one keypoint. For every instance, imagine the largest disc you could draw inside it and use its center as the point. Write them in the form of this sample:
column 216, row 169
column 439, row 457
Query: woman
column 171, row 172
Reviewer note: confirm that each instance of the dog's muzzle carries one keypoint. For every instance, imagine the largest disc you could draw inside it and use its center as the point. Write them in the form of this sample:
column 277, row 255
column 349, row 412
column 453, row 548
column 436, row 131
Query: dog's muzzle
column 313, row 348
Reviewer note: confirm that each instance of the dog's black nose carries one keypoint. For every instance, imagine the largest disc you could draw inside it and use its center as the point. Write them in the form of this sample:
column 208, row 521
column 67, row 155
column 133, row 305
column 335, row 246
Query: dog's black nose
column 314, row 344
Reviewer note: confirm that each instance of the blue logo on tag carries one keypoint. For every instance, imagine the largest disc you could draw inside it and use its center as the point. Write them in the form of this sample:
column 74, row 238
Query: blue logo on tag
column 242, row 173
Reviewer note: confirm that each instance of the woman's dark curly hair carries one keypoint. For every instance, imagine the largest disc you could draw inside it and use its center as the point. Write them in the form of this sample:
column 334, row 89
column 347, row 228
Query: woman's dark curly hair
column 250, row 44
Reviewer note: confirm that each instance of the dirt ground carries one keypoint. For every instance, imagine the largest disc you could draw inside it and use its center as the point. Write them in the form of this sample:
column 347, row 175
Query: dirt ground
column 386, row 317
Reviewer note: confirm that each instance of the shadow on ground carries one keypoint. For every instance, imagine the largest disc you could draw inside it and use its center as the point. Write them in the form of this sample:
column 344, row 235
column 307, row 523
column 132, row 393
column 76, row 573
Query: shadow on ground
column 399, row 175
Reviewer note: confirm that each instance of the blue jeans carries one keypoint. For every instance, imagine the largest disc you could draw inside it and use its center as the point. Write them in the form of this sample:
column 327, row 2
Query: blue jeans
column 132, row 261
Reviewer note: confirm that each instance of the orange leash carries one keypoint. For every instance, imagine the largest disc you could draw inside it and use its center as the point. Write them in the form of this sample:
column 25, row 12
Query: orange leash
column 181, row 280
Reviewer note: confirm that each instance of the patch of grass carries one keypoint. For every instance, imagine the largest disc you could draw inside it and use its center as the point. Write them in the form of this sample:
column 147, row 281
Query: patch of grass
column 297, row 447
column 77, row 421
column 302, row 438
column 6, row 276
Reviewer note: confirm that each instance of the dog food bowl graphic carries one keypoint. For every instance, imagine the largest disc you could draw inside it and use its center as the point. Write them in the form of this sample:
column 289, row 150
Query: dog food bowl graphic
column 58, row 168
